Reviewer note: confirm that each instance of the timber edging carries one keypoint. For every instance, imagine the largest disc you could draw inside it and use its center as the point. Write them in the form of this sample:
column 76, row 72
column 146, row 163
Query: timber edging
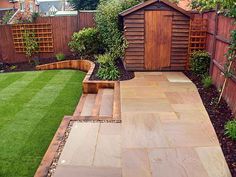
column 89, row 86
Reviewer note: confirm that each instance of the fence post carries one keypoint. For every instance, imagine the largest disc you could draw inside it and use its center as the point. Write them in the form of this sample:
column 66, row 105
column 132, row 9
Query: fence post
column 214, row 39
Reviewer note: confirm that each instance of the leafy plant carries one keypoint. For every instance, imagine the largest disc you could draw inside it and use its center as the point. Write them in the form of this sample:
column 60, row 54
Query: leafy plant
column 207, row 81
column 200, row 62
column 13, row 67
column 60, row 56
column 84, row 4
column 108, row 24
column 107, row 68
column 228, row 7
column 7, row 17
column 230, row 129
column 30, row 44
column 34, row 16
column 85, row 42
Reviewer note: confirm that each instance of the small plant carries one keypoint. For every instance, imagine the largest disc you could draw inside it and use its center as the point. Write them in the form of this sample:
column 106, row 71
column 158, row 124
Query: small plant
column 34, row 16
column 107, row 69
column 30, row 43
column 7, row 17
column 200, row 62
column 13, row 67
column 207, row 81
column 85, row 42
column 60, row 56
column 230, row 129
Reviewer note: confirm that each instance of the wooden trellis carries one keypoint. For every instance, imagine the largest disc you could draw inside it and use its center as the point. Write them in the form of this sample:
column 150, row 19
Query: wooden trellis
column 43, row 34
column 197, row 35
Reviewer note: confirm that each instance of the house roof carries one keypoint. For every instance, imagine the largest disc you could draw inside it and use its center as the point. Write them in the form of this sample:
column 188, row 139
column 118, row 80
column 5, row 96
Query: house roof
column 149, row 2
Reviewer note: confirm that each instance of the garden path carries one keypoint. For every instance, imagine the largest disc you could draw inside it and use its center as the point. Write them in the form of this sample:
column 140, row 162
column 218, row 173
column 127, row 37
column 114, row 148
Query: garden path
column 165, row 132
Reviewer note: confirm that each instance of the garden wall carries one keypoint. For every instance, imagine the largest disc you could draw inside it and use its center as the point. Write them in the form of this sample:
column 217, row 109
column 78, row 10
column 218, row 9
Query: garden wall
column 218, row 40
column 63, row 27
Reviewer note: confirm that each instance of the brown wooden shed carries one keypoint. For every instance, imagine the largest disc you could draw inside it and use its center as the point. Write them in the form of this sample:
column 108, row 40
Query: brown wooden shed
column 157, row 32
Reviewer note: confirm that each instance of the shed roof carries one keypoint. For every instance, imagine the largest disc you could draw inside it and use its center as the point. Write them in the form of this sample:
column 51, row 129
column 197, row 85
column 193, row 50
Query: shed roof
column 149, row 2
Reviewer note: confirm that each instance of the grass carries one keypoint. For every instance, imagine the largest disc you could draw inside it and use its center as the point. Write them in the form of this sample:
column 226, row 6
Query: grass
column 32, row 105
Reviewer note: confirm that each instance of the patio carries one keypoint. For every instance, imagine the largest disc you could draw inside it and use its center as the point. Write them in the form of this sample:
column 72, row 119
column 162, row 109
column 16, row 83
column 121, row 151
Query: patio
column 165, row 132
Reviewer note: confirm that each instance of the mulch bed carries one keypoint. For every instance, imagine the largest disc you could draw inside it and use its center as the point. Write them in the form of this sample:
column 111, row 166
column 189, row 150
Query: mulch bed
column 124, row 74
column 26, row 66
column 219, row 115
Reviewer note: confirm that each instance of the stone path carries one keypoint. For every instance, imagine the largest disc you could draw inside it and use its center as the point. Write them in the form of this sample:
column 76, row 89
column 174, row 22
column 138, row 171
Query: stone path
column 165, row 132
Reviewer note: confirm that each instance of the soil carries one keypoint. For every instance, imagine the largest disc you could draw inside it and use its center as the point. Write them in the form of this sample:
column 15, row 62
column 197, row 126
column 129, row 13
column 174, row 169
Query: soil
column 219, row 115
column 124, row 74
column 26, row 66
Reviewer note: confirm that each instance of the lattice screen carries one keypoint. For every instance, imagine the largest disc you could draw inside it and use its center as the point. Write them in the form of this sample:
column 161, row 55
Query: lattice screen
column 197, row 35
column 43, row 34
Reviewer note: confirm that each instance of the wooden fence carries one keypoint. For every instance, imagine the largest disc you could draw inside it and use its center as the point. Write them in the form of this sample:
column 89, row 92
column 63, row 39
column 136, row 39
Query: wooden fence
column 63, row 28
column 218, row 40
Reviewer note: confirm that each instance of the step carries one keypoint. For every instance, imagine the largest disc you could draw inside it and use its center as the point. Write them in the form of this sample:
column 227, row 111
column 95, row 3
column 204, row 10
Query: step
column 88, row 105
column 106, row 108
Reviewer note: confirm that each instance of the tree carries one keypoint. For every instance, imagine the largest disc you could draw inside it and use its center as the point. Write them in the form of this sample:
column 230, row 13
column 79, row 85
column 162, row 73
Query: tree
column 84, row 4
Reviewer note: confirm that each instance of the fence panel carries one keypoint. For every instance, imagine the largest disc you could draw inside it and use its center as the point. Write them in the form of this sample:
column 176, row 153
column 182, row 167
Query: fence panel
column 63, row 28
column 218, row 40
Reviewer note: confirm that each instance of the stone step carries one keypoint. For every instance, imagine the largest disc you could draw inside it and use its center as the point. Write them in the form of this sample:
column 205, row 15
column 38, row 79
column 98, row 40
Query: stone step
column 106, row 108
column 88, row 105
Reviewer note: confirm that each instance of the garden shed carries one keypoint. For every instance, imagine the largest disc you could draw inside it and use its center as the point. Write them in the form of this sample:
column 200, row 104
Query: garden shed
column 157, row 32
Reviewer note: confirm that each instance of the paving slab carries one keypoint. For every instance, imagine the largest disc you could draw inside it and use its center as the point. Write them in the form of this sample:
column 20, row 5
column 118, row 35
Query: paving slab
column 166, row 130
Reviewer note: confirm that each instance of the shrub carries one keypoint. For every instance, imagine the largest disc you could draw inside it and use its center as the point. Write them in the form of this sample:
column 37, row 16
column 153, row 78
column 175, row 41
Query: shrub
column 34, row 16
column 200, row 62
column 30, row 43
column 85, row 42
column 7, row 17
column 207, row 81
column 60, row 56
column 107, row 69
column 108, row 24
column 230, row 129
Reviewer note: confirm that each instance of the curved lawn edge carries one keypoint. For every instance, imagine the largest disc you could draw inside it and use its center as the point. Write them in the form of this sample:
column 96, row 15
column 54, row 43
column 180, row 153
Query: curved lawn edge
column 89, row 86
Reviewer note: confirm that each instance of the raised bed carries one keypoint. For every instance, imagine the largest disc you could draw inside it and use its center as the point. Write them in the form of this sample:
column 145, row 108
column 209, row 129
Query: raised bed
column 89, row 86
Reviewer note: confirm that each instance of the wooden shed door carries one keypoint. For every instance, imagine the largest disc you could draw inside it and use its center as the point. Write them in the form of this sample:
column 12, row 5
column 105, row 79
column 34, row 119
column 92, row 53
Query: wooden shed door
column 158, row 27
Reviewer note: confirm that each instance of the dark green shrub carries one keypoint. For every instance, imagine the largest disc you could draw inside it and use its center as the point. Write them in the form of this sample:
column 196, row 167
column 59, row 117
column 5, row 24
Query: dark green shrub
column 60, row 56
column 34, row 16
column 207, row 81
column 85, row 42
column 200, row 62
column 107, row 68
column 230, row 129
column 108, row 24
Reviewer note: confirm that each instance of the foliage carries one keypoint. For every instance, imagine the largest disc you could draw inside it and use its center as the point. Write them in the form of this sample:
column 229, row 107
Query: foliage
column 30, row 43
column 230, row 55
column 200, row 62
column 85, row 42
column 107, row 69
column 34, row 16
column 7, row 17
column 84, row 4
column 60, row 56
column 228, row 7
column 207, row 81
column 108, row 24
column 230, row 129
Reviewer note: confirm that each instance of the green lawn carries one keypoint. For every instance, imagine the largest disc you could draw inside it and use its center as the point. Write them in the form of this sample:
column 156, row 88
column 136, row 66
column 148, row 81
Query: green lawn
column 32, row 105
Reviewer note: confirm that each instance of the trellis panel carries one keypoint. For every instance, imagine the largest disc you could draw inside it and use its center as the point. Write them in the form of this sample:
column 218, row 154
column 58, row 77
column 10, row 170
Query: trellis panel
column 43, row 33
column 197, row 35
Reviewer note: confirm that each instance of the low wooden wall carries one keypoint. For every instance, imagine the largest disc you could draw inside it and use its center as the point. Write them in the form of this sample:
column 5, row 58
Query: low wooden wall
column 89, row 86
column 63, row 28
column 218, row 40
